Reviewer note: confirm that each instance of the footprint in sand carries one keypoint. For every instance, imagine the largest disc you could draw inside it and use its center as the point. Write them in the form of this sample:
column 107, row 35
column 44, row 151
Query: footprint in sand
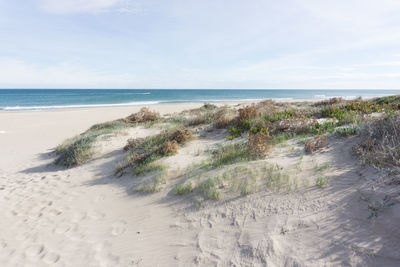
column 35, row 252
column 54, row 212
column 51, row 258
column 118, row 228
column 62, row 228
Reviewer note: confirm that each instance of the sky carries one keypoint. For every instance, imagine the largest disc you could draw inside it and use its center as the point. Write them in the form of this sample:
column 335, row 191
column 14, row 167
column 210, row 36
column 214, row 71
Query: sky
column 213, row 44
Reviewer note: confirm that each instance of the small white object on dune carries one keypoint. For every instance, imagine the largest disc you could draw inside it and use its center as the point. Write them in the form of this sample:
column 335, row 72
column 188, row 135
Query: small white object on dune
column 2, row 132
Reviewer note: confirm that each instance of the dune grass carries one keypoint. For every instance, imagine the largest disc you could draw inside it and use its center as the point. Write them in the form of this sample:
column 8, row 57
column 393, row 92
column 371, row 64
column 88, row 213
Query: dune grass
column 79, row 149
column 142, row 152
column 380, row 143
column 183, row 189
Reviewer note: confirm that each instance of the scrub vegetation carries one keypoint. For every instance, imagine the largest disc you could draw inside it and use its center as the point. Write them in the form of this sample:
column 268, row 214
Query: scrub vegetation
column 239, row 163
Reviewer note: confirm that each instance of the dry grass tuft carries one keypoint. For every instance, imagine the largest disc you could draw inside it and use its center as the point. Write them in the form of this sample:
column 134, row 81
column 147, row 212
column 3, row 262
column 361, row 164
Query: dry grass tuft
column 144, row 115
column 259, row 144
column 169, row 148
column 247, row 113
column 133, row 143
column 330, row 101
column 315, row 143
column 181, row 136
column 269, row 106
column 380, row 144
column 224, row 118
column 296, row 125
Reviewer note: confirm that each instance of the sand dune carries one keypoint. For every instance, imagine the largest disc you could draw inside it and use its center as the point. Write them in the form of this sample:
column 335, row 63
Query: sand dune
column 85, row 216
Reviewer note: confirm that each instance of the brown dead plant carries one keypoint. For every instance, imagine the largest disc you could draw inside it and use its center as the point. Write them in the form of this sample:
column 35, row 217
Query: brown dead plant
column 143, row 115
column 315, row 143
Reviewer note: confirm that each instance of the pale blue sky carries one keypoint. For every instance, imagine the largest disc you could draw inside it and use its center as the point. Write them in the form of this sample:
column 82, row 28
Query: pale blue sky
column 200, row 44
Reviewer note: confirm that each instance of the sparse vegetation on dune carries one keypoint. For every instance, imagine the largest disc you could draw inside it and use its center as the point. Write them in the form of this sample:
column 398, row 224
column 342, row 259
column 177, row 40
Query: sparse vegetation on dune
column 330, row 101
column 145, row 115
column 143, row 151
column 380, row 143
column 315, row 143
column 79, row 149
column 252, row 131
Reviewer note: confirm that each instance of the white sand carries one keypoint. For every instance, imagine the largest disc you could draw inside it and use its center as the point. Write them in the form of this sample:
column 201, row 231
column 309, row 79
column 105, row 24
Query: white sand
column 84, row 216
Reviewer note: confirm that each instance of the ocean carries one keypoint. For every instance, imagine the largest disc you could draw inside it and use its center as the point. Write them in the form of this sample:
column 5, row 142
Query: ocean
column 31, row 99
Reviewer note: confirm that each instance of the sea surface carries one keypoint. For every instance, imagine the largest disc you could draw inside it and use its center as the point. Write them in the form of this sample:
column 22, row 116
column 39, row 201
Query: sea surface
column 30, row 99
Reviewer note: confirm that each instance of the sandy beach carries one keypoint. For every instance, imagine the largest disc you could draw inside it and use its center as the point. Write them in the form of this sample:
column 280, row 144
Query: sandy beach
column 86, row 216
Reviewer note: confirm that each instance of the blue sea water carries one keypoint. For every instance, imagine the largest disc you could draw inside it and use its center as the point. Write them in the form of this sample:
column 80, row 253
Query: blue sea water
column 21, row 99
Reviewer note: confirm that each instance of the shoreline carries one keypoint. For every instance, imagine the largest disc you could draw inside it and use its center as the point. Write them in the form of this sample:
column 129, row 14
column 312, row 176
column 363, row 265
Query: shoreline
column 117, row 106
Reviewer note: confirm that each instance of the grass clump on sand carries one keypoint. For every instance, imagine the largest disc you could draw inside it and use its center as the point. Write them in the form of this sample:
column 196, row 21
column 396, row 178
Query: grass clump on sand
column 144, row 115
column 255, row 147
column 321, row 181
column 315, row 143
column 155, row 184
column 183, row 189
column 208, row 189
column 380, row 143
column 79, row 149
column 346, row 131
column 146, row 168
column 393, row 99
column 330, row 101
column 219, row 117
column 143, row 151
column 230, row 154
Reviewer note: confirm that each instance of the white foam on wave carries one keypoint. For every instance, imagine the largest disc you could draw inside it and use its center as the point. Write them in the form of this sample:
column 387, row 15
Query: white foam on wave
column 142, row 103
column 229, row 100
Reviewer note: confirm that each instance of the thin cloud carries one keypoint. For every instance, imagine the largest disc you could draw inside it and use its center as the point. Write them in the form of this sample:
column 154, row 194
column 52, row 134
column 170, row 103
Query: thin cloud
column 89, row 6
column 63, row 75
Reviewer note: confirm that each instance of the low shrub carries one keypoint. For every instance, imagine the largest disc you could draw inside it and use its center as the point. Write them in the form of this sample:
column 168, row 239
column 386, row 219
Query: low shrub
column 79, row 149
column 208, row 189
column 387, row 100
column 143, row 115
column 333, row 111
column 223, row 118
column 133, row 143
column 208, row 106
column 142, row 151
column 380, row 143
column 183, row 189
column 286, row 114
column 181, row 135
column 259, row 144
column 330, row 101
column 230, row 154
column 315, row 143
column 168, row 148
column 219, row 117
column 269, row 106
column 234, row 133
column 76, row 151
column 294, row 125
column 245, row 114
column 109, row 125
column 324, row 127
column 346, row 131
column 364, row 106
